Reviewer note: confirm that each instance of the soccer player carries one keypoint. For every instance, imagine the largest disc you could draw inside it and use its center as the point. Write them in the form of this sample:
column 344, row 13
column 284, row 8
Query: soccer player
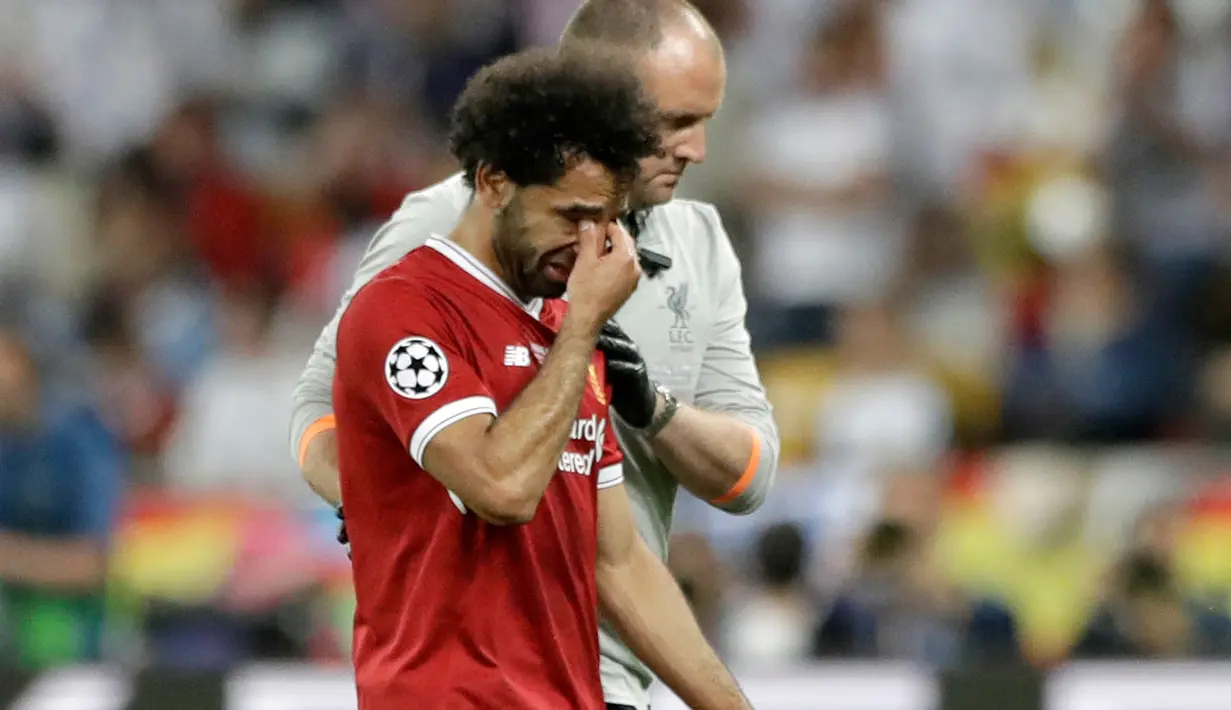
column 711, row 431
column 487, row 519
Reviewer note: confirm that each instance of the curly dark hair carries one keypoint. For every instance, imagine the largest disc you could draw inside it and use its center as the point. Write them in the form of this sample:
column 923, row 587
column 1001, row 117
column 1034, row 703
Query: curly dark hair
column 531, row 115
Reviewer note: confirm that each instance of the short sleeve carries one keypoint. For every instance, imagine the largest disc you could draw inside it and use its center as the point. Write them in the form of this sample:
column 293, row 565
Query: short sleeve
column 397, row 350
column 431, row 211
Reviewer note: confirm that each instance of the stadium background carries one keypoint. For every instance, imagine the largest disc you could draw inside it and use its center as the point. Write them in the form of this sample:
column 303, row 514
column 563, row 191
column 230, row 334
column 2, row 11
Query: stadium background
column 986, row 246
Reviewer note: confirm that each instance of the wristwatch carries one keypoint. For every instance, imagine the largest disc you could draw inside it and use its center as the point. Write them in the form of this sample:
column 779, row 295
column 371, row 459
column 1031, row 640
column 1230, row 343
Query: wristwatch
column 663, row 418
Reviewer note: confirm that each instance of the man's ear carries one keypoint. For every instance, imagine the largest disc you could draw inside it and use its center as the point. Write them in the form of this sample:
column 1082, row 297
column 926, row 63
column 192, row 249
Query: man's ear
column 493, row 188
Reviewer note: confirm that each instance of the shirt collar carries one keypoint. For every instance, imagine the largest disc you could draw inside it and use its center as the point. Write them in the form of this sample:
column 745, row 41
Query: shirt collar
column 479, row 271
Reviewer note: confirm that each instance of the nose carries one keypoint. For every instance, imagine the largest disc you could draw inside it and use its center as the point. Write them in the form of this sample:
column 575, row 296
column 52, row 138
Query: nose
column 692, row 147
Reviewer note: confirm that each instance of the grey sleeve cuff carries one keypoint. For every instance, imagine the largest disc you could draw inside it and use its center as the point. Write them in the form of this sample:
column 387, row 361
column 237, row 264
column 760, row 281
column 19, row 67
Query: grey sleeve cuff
column 755, row 489
column 312, row 400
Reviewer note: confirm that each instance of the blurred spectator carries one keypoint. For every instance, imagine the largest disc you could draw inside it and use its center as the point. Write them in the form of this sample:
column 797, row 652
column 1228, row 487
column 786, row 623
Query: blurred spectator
column 288, row 50
column 849, row 509
column 27, row 132
column 702, row 578
column 1159, row 163
column 1146, row 616
column 365, row 162
column 949, row 302
column 143, row 52
column 961, row 72
column 1157, row 532
column 881, row 415
column 221, row 213
column 60, row 481
column 1110, row 368
column 821, row 191
column 43, row 212
column 882, row 409
column 234, row 414
column 363, row 158
column 770, row 627
column 1211, row 303
column 133, row 399
column 142, row 256
column 1216, row 386
column 899, row 607
column 421, row 53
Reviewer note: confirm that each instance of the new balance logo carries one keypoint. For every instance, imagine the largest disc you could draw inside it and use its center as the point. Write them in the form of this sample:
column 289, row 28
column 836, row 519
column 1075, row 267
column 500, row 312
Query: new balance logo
column 516, row 356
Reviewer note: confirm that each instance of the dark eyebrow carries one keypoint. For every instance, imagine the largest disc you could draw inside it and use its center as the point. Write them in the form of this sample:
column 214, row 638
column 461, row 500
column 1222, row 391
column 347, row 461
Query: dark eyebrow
column 579, row 210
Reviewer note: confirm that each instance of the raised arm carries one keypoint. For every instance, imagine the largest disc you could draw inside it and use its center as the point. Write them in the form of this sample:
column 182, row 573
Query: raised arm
column 498, row 466
column 724, row 447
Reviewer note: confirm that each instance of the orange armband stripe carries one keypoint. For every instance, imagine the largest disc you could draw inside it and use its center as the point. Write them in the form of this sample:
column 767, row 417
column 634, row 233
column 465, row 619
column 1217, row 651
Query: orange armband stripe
column 324, row 424
column 746, row 478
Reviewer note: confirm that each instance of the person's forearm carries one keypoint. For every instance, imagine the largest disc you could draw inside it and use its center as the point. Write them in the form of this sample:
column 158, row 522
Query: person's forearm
column 521, row 451
column 320, row 467
column 73, row 565
column 646, row 607
column 710, row 454
column 313, row 436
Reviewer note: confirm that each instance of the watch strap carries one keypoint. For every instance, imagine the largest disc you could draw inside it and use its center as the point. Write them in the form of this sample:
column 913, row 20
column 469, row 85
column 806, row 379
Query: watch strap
column 663, row 418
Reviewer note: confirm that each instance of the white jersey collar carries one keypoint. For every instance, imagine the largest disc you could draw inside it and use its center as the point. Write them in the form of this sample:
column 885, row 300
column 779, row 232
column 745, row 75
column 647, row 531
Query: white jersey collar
column 479, row 271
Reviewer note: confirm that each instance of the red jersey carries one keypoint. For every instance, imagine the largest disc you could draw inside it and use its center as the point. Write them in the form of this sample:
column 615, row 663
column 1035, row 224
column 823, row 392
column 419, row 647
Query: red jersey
column 454, row 612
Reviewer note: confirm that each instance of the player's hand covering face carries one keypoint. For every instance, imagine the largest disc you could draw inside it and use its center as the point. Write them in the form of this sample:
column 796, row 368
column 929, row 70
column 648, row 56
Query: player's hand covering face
column 605, row 274
column 538, row 233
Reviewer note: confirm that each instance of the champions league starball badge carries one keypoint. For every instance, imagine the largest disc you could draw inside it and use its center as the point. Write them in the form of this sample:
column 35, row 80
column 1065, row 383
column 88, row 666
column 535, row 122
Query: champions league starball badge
column 416, row 368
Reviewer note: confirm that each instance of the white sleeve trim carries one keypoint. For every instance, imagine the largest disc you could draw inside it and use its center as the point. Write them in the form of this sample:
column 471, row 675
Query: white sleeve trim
column 457, row 501
column 445, row 417
column 612, row 475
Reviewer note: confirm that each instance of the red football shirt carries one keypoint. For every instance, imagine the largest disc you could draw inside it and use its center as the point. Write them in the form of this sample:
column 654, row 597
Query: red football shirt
column 454, row 612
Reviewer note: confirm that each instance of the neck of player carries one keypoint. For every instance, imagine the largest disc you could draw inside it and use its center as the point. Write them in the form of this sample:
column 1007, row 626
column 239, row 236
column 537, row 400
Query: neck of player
column 476, row 233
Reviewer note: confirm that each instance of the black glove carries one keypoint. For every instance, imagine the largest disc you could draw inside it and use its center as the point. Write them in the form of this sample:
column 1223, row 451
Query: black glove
column 632, row 392
column 343, row 538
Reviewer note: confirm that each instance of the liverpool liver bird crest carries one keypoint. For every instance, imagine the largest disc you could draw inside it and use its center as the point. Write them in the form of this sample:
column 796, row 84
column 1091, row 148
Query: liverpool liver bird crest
column 677, row 303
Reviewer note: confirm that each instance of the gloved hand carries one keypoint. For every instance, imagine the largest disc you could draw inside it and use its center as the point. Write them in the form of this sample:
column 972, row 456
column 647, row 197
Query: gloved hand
column 633, row 394
column 343, row 537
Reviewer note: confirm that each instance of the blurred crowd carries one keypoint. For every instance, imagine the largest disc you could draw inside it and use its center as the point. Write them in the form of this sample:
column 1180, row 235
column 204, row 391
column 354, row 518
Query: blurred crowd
column 987, row 248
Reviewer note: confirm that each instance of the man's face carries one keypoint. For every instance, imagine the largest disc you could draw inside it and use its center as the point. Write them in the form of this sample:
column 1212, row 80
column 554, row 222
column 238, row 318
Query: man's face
column 686, row 77
column 537, row 233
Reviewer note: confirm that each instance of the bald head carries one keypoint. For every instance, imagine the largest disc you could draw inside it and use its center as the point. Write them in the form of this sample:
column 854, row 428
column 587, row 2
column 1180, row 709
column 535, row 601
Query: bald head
column 679, row 59
column 638, row 25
